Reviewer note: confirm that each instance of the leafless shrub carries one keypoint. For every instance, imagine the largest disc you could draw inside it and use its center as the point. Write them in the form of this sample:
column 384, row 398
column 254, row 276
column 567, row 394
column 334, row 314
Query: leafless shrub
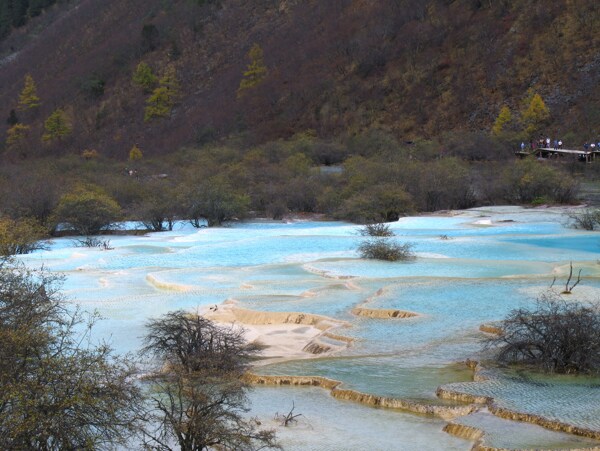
column 378, row 229
column 568, row 289
column 289, row 418
column 554, row 336
column 93, row 241
column 588, row 219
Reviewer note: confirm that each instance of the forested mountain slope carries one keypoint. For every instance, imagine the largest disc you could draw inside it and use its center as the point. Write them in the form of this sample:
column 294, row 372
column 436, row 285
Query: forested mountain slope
column 15, row 13
column 415, row 68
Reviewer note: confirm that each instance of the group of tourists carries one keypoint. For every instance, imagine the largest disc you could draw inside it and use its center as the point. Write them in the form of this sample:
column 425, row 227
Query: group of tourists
column 547, row 145
column 590, row 147
column 542, row 143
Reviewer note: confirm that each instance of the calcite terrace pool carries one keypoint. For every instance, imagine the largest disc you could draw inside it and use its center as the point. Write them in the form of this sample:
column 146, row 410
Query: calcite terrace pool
column 371, row 353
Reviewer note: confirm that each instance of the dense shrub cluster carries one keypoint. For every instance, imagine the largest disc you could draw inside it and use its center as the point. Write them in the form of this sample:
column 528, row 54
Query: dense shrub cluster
column 381, row 246
column 58, row 391
column 555, row 336
column 385, row 249
column 20, row 236
column 375, row 178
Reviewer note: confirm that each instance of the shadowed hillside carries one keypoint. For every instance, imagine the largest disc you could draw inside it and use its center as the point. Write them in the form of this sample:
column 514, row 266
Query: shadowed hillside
column 415, row 68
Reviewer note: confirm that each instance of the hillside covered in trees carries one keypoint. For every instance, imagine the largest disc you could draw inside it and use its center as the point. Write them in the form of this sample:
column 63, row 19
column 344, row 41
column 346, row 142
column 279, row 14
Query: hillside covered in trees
column 211, row 110
column 417, row 69
column 15, row 13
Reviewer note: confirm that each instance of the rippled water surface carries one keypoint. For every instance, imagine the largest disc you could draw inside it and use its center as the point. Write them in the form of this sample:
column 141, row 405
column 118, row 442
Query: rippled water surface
column 472, row 267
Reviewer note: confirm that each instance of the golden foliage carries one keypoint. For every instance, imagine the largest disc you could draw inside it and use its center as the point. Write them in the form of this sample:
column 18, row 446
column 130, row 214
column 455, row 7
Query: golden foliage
column 16, row 134
column 28, row 98
column 504, row 118
column 20, row 236
column 57, row 126
column 144, row 77
column 89, row 154
column 535, row 115
column 164, row 97
column 256, row 70
column 135, row 153
column 88, row 210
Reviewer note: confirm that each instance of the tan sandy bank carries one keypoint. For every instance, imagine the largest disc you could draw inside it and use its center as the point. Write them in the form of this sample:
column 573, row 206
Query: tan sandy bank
column 376, row 313
column 491, row 328
column 382, row 313
column 285, row 335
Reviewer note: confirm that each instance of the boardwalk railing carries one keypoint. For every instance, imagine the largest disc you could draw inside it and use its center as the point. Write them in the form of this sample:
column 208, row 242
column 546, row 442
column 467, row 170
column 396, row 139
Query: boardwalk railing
column 548, row 152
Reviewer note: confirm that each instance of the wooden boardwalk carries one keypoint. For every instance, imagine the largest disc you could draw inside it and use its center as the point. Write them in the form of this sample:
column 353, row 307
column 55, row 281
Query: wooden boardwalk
column 547, row 152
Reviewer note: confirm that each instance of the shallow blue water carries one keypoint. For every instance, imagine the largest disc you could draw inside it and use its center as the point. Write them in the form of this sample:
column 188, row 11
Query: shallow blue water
column 472, row 267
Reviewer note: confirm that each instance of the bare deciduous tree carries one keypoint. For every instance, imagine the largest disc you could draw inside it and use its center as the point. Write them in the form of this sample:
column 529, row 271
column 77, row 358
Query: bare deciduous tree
column 198, row 395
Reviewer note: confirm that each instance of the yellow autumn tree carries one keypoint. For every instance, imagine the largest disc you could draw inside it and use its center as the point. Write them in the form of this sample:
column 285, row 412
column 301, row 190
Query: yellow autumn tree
column 20, row 236
column 87, row 209
column 504, row 118
column 144, row 77
column 164, row 97
column 16, row 140
column 16, row 134
column 536, row 115
column 256, row 71
column 135, row 153
column 28, row 98
column 56, row 127
column 90, row 154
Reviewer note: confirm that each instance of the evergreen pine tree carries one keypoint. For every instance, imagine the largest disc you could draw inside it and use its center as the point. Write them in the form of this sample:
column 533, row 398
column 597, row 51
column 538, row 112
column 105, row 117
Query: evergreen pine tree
column 18, row 12
column 12, row 119
column 14, row 13
column 5, row 19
